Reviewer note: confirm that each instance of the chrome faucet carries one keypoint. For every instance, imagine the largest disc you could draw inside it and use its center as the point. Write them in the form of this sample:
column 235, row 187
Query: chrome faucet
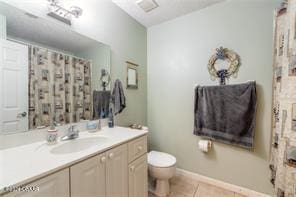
column 72, row 133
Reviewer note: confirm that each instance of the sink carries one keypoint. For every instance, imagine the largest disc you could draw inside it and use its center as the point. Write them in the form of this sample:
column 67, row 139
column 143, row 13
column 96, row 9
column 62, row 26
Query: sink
column 78, row 144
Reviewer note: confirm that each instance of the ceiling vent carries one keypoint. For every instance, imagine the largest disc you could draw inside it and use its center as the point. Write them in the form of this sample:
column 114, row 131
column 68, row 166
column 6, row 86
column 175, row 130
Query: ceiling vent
column 147, row 5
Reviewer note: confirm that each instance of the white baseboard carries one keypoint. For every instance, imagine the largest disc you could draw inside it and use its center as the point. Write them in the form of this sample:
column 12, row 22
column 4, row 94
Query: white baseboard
column 221, row 184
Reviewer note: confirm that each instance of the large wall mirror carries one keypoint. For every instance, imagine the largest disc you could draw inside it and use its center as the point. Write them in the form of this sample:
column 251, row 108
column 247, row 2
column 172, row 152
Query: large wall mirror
column 48, row 73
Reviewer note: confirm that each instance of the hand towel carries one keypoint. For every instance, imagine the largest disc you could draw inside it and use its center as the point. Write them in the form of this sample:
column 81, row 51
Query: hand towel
column 101, row 100
column 118, row 98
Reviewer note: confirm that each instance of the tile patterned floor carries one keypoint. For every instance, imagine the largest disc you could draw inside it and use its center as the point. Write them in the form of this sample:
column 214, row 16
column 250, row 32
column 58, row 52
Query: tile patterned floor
column 186, row 187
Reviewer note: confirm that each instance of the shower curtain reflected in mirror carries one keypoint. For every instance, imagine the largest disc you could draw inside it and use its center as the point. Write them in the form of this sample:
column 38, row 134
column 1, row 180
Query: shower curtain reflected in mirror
column 59, row 88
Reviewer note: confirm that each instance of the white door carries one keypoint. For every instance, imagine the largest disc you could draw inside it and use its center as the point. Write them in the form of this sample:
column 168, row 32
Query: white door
column 13, row 87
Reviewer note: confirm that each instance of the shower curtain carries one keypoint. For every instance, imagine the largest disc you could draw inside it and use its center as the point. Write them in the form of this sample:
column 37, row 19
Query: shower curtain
column 59, row 88
column 283, row 149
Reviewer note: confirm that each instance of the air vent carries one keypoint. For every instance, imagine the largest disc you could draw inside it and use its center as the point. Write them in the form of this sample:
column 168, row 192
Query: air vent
column 147, row 5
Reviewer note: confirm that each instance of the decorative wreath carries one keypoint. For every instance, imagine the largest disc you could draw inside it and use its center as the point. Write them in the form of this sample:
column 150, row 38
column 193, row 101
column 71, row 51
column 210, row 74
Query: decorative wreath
column 232, row 70
column 105, row 78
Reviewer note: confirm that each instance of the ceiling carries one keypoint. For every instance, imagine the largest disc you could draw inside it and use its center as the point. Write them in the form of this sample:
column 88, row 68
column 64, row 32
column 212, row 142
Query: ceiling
column 167, row 10
column 20, row 26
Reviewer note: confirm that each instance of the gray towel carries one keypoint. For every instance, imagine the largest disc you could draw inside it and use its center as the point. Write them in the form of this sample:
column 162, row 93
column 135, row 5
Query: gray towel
column 118, row 98
column 291, row 154
column 101, row 100
column 226, row 113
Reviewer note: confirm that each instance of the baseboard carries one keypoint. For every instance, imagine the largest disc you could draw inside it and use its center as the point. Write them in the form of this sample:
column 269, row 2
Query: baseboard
column 221, row 184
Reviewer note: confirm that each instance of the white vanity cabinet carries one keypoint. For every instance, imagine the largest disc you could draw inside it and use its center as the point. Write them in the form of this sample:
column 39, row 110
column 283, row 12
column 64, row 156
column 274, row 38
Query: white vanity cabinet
column 88, row 177
column 56, row 184
column 104, row 175
column 138, row 172
column 138, row 186
column 118, row 172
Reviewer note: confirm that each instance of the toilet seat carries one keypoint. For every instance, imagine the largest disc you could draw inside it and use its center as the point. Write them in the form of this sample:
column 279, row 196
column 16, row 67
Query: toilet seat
column 160, row 159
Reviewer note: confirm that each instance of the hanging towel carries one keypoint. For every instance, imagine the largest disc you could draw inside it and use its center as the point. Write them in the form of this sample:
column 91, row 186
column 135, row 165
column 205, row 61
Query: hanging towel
column 226, row 113
column 101, row 100
column 291, row 155
column 118, row 98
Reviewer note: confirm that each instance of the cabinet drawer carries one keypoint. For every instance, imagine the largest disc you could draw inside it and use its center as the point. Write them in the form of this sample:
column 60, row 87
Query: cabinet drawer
column 137, row 148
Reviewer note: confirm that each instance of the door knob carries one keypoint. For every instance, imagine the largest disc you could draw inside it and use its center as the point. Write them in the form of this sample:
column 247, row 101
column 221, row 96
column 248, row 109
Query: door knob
column 103, row 159
column 111, row 155
column 22, row 115
column 140, row 148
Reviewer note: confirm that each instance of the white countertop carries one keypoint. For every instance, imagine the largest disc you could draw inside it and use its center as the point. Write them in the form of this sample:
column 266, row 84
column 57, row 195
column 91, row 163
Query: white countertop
column 22, row 164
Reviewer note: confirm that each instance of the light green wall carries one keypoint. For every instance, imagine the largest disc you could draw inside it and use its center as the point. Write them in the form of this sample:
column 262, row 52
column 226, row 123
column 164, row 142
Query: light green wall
column 100, row 56
column 2, row 27
column 178, row 53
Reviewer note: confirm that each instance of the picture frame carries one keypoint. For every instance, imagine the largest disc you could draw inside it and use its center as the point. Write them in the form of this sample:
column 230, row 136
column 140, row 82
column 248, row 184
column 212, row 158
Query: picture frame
column 131, row 75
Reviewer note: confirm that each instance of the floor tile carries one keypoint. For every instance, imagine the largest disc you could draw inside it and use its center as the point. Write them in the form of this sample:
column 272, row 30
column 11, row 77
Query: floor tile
column 183, row 187
column 206, row 190
column 179, row 194
column 151, row 195
column 179, row 179
column 239, row 195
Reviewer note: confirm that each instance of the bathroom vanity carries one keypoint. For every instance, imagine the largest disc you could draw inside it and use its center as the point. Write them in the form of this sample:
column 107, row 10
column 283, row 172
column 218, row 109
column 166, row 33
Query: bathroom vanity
column 48, row 88
column 108, row 163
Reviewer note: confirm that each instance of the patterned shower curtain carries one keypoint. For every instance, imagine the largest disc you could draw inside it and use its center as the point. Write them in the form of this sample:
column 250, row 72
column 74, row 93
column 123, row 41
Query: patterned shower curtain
column 283, row 151
column 59, row 88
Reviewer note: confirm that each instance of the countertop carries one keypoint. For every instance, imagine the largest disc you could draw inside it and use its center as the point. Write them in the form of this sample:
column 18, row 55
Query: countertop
column 23, row 164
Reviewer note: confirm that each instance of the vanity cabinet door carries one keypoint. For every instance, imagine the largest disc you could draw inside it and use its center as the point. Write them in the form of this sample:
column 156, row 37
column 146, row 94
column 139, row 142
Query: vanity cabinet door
column 116, row 172
column 88, row 177
column 138, row 177
column 56, row 184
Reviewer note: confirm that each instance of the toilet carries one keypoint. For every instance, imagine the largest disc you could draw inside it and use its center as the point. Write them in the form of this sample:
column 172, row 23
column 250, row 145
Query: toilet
column 161, row 167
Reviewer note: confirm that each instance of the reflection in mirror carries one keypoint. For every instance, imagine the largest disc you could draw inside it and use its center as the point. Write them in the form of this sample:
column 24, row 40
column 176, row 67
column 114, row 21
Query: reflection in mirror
column 51, row 73
column 132, row 75
column 105, row 79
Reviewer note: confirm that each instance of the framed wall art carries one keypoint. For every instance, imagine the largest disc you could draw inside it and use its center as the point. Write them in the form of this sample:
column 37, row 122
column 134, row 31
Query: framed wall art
column 132, row 75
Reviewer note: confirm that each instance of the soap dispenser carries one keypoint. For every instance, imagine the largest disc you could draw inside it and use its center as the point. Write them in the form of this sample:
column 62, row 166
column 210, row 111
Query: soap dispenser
column 110, row 119
column 52, row 135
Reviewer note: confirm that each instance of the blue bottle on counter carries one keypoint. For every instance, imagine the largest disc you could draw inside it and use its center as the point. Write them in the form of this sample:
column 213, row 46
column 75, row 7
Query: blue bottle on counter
column 110, row 119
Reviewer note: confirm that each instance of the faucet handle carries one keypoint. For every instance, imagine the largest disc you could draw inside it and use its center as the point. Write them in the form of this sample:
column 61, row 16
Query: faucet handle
column 56, row 123
column 73, row 128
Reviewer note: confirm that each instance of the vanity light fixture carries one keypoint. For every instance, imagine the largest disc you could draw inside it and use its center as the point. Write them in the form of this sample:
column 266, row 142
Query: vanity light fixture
column 62, row 14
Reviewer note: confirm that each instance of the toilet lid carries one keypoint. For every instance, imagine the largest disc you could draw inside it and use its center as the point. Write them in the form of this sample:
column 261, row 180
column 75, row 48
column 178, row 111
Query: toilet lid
column 160, row 159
